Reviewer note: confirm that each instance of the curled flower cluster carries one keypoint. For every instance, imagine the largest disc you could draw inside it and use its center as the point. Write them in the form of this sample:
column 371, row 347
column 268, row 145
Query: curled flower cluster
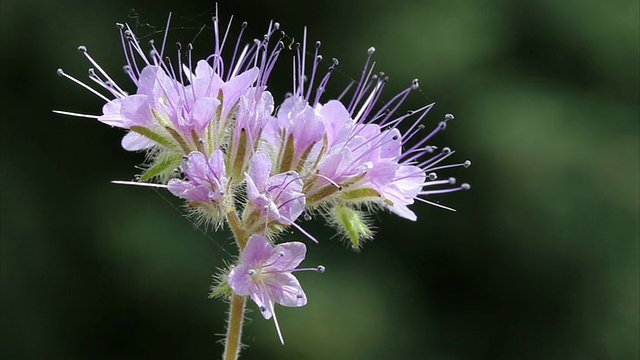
column 261, row 168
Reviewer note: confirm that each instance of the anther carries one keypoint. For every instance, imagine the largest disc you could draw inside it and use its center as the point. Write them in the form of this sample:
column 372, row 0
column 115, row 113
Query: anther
column 281, row 253
column 319, row 57
column 251, row 272
column 82, row 48
column 432, row 176
column 201, row 141
column 126, row 68
column 465, row 186
column 452, row 180
column 339, row 187
column 318, row 43
column 276, row 26
column 178, row 46
column 414, row 84
column 185, row 158
column 92, row 72
column 190, row 46
column 371, row 50
column 335, row 62
column 151, row 42
column 446, row 150
column 467, row 163
column 320, row 269
column 244, row 24
column 421, row 127
column 120, row 25
column 307, row 217
column 60, row 72
column 299, row 296
column 395, row 137
column 262, row 309
column 448, row 117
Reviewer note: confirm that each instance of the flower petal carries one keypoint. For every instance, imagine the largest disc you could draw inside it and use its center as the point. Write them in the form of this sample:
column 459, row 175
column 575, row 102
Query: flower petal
column 256, row 252
column 259, row 170
column 285, row 290
column 134, row 142
column 287, row 256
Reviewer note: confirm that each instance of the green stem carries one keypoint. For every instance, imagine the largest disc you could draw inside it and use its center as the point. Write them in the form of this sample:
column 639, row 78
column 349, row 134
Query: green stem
column 237, row 303
column 238, row 231
column 234, row 328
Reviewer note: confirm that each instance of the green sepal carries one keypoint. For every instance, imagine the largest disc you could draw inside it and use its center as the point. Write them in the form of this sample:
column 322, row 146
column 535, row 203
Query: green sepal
column 178, row 138
column 159, row 118
column 360, row 194
column 241, row 152
column 161, row 166
column 150, row 134
column 287, row 155
column 322, row 194
column 221, row 290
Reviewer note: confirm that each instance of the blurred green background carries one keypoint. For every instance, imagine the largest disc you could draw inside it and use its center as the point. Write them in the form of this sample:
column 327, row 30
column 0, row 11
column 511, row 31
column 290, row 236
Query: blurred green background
column 539, row 262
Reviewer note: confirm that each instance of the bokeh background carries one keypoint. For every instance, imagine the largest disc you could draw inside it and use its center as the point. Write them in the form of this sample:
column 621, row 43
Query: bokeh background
column 539, row 262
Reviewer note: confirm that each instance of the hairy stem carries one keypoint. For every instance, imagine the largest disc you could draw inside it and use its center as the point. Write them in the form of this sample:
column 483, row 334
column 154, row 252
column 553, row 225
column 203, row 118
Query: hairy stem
column 236, row 310
column 234, row 328
column 238, row 231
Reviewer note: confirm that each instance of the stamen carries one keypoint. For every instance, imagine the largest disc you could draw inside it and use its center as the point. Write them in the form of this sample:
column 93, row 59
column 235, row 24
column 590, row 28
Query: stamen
column 135, row 183
column 87, row 87
column 435, row 204
column 304, row 232
column 356, row 95
column 166, row 34
column 84, row 51
column 75, row 114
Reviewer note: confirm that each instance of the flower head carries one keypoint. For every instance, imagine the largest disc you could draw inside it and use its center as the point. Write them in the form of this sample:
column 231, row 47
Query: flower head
column 309, row 154
column 264, row 273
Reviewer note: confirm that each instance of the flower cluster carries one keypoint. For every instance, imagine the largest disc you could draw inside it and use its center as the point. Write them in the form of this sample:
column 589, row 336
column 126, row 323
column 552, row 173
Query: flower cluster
column 260, row 168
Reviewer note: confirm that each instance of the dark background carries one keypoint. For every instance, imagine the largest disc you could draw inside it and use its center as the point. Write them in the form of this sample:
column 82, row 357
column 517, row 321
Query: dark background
column 539, row 262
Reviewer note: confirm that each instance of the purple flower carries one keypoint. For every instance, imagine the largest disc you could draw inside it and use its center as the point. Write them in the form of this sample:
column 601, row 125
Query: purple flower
column 205, row 181
column 264, row 273
column 276, row 198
